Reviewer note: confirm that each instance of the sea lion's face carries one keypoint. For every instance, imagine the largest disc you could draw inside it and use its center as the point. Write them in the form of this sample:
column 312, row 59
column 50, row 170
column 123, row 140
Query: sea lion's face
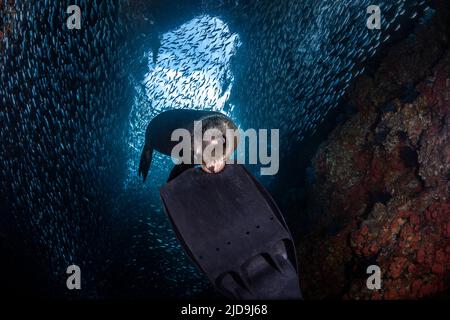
column 215, row 163
column 214, row 167
column 215, row 150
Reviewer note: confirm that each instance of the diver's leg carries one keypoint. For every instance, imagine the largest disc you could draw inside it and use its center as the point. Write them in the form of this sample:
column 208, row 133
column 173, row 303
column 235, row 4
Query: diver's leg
column 179, row 169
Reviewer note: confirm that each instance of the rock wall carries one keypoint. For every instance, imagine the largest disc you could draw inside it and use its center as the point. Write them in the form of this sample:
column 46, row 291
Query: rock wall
column 380, row 193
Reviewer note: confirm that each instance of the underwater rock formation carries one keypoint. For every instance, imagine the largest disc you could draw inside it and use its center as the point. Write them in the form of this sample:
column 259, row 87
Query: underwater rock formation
column 381, row 190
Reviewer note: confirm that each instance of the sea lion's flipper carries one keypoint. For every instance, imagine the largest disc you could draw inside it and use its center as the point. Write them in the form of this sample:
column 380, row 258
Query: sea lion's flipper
column 146, row 160
column 178, row 169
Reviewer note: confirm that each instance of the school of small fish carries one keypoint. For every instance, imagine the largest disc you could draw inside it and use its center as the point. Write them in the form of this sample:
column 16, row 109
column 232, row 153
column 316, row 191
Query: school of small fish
column 300, row 57
column 192, row 72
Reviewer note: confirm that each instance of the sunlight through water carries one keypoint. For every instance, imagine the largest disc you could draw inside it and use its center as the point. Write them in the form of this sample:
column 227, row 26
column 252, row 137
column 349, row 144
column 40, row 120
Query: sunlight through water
column 192, row 71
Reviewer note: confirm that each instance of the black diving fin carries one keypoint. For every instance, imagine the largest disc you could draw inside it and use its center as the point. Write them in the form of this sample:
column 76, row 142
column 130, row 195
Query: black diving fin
column 234, row 232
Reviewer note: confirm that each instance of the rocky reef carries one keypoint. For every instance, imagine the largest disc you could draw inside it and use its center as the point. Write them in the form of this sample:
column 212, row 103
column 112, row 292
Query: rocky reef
column 379, row 192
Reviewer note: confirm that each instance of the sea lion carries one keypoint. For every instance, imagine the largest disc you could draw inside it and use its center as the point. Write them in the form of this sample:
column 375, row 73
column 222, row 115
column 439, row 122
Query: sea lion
column 160, row 129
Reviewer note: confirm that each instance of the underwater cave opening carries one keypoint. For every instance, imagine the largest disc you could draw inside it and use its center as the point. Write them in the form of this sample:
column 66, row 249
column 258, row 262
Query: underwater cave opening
column 192, row 71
